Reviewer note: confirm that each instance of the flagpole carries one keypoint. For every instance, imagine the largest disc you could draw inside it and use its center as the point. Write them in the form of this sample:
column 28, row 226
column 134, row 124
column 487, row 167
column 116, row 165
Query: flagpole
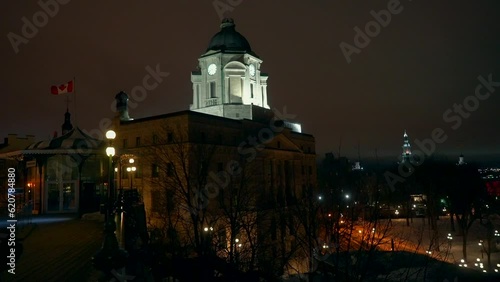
column 74, row 94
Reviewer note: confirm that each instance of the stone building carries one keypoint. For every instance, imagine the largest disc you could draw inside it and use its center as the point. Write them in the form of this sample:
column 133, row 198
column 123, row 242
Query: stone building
column 229, row 163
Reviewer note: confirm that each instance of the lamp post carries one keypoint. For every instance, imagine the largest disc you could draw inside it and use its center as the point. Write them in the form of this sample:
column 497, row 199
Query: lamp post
column 130, row 170
column 110, row 152
column 110, row 258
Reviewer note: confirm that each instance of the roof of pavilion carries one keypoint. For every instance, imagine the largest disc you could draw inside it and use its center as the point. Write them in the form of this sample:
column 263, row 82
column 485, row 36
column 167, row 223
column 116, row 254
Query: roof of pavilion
column 75, row 142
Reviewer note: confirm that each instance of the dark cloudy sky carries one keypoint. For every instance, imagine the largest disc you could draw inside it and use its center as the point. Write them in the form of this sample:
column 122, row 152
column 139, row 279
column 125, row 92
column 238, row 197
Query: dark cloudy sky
column 427, row 59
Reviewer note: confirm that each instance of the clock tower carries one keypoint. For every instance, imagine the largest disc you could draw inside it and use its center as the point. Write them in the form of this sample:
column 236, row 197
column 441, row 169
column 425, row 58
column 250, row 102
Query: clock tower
column 228, row 82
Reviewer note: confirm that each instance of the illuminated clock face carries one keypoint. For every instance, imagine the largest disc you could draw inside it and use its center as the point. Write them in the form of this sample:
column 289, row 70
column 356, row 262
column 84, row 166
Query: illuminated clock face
column 252, row 70
column 212, row 69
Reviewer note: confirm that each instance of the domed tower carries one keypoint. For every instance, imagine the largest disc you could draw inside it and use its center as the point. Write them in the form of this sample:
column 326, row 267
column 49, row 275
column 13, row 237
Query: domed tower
column 229, row 81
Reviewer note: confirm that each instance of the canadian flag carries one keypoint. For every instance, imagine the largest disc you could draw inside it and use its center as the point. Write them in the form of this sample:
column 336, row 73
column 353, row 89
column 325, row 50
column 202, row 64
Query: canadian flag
column 62, row 89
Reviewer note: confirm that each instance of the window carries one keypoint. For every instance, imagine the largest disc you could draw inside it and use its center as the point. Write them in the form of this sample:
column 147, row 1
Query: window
column 310, row 169
column 235, row 88
column 137, row 141
column 125, row 143
column 303, row 170
column 155, row 139
column 203, row 137
column 170, row 137
column 251, row 90
column 212, row 90
column 170, row 169
column 279, row 144
column 155, row 170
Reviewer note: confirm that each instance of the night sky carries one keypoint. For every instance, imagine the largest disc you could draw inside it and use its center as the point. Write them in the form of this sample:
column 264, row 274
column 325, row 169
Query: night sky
column 425, row 60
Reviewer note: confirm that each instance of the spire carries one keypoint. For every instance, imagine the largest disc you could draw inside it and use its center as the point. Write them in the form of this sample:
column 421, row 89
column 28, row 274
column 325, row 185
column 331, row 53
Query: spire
column 405, row 156
column 67, row 126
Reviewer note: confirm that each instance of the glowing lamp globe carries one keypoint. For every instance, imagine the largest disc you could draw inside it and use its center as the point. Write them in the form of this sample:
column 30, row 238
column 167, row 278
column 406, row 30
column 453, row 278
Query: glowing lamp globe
column 110, row 151
column 110, row 134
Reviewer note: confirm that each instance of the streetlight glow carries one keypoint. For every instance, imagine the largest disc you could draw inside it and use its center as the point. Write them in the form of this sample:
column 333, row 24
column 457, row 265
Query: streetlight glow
column 110, row 151
column 110, row 134
column 131, row 161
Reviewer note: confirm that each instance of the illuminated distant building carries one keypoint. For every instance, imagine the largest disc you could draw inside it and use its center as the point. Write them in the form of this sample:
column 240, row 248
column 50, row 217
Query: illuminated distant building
column 357, row 166
column 406, row 154
column 461, row 160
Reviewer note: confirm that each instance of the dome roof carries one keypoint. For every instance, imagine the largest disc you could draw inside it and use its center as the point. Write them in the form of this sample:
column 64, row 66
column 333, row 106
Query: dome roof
column 75, row 141
column 228, row 39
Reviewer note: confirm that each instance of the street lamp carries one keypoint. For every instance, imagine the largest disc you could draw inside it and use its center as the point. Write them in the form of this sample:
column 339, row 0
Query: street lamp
column 110, row 258
column 110, row 152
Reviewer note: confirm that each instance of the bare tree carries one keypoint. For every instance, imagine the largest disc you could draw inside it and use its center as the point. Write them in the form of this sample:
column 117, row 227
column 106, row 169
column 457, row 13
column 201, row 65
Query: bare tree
column 179, row 176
